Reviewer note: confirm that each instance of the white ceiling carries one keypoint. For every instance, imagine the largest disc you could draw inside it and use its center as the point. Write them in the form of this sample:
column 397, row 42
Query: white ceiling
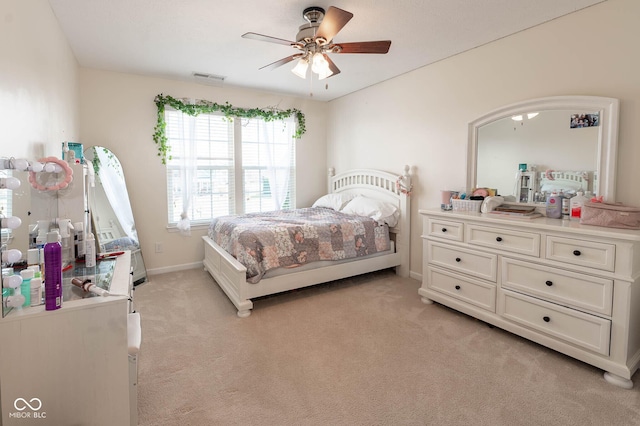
column 174, row 38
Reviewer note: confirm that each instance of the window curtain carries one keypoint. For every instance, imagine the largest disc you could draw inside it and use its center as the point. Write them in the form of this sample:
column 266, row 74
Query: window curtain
column 115, row 190
column 187, row 165
column 279, row 153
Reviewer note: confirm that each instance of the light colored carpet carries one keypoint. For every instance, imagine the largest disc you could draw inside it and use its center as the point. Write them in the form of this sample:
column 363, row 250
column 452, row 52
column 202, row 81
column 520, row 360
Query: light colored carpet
column 360, row 351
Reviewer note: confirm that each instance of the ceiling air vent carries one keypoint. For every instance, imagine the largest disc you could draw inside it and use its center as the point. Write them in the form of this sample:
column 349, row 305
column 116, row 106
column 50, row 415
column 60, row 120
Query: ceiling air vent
column 212, row 79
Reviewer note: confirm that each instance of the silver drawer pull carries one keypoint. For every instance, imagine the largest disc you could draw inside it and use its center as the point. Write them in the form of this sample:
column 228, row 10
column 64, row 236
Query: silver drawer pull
column 546, row 319
column 498, row 239
column 458, row 259
column 457, row 287
column 577, row 253
column 549, row 283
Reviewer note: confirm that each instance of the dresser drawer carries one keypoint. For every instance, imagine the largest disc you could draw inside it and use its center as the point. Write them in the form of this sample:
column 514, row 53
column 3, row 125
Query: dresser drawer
column 444, row 229
column 566, row 288
column 471, row 262
column 584, row 253
column 584, row 330
column 504, row 239
column 474, row 292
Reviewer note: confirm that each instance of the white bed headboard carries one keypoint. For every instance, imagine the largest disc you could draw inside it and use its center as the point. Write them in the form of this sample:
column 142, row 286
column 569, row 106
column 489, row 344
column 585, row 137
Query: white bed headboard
column 385, row 186
column 567, row 180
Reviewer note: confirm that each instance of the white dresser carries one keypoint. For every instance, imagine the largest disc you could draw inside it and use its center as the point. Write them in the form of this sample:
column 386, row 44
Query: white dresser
column 71, row 366
column 573, row 288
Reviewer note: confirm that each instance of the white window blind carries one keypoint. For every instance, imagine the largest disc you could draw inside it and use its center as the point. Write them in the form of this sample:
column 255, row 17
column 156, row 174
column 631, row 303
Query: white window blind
column 6, row 207
column 242, row 166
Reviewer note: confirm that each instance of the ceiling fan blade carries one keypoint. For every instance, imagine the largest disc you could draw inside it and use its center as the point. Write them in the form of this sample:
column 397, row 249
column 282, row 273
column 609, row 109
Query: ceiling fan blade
column 334, row 20
column 282, row 61
column 381, row 46
column 332, row 66
column 260, row 37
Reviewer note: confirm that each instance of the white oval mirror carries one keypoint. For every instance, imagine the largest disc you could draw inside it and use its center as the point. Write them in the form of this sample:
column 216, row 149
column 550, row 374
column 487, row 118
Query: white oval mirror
column 566, row 141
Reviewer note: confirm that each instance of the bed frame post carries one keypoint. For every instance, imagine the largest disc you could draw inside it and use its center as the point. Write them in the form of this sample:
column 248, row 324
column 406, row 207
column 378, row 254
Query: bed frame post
column 331, row 172
column 403, row 238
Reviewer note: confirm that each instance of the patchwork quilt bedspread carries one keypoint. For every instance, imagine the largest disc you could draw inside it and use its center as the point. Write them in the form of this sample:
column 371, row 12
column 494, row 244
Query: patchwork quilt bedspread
column 290, row 238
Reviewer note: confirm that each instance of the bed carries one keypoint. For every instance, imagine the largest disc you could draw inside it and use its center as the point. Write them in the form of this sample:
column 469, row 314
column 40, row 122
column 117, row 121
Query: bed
column 568, row 181
column 109, row 239
column 386, row 187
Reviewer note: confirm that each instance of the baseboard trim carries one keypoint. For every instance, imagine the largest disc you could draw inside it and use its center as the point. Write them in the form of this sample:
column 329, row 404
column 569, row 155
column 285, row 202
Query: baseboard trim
column 415, row 276
column 175, row 268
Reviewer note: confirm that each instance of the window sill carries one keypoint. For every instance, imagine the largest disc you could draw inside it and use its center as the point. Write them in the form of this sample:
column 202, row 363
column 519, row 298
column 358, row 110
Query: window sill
column 197, row 226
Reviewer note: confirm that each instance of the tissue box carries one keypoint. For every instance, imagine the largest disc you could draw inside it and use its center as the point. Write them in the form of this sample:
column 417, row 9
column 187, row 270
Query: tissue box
column 610, row 215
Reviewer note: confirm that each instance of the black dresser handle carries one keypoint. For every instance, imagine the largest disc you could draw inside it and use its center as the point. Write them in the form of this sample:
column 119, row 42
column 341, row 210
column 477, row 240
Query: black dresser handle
column 549, row 283
column 546, row 319
column 444, row 229
column 457, row 287
column 498, row 239
column 576, row 253
column 458, row 259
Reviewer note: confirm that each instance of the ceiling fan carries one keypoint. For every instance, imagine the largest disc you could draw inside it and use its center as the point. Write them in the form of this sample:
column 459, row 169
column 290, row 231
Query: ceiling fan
column 315, row 40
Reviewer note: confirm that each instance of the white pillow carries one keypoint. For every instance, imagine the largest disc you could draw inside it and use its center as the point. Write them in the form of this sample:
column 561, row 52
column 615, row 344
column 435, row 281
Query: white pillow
column 380, row 211
column 334, row 201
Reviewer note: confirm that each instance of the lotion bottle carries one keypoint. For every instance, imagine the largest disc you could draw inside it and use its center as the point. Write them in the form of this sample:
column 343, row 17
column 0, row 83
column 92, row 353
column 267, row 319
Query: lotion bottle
column 36, row 291
column 90, row 251
column 25, row 288
column 554, row 206
column 577, row 203
column 53, row 268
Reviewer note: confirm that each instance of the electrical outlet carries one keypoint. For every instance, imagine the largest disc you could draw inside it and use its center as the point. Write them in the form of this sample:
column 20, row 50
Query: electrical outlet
column 158, row 247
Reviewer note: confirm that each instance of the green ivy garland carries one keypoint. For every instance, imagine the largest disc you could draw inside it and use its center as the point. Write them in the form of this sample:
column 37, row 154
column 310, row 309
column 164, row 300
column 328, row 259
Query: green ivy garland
column 229, row 111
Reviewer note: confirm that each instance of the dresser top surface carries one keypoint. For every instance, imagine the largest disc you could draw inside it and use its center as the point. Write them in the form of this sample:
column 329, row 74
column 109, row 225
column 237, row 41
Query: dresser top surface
column 537, row 224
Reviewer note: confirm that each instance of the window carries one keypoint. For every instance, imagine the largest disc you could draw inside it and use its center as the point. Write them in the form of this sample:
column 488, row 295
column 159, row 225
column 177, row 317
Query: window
column 220, row 167
column 6, row 208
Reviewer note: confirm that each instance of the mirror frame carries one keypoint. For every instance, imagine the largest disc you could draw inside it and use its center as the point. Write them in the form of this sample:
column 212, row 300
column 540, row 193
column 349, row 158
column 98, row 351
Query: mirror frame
column 607, row 134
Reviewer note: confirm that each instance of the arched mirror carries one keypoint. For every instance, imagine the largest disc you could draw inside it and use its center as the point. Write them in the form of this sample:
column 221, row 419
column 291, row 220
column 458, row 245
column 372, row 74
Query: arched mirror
column 548, row 144
column 111, row 214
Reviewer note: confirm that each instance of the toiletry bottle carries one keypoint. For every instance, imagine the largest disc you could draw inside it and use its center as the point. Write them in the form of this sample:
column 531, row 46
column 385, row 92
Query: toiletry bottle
column 90, row 251
column 25, row 288
column 36, row 291
column 566, row 201
column 33, row 257
column 78, row 237
column 41, row 260
column 53, row 268
column 66, row 229
column 576, row 205
column 43, row 229
column 554, row 206
column 33, row 233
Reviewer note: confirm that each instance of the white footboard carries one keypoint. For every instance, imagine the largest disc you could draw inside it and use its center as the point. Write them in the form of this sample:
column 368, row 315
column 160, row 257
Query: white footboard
column 229, row 274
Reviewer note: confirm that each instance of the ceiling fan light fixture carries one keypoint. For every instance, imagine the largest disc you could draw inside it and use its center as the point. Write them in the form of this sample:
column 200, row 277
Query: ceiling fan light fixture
column 324, row 74
column 314, row 42
column 320, row 66
column 301, row 68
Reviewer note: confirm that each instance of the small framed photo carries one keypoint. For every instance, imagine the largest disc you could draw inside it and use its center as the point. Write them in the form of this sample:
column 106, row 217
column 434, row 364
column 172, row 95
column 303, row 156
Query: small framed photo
column 585, row 120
